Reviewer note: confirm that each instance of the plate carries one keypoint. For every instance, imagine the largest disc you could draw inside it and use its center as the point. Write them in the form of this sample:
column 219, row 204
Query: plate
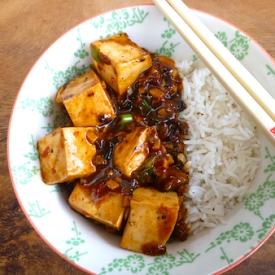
column 77, row 239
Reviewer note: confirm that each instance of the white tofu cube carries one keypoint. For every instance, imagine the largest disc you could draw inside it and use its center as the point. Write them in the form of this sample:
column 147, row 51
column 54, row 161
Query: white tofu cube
column 151, row 220
column 107, row 210
column 119, row 61
column 87, row 101
column 66, row 154
column 131, row 153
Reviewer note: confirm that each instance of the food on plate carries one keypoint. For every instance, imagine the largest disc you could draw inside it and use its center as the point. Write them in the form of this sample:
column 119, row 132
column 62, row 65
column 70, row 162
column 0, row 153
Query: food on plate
column 119, row 61
column 222, row 148
column 151, row 220
column 108, row 210
column 147, row 157
column 123, row 151
column 66, row 154
column 86, row 100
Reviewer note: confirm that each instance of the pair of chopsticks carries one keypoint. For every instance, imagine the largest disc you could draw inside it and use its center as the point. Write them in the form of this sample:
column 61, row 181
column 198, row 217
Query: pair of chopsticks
column 241, row 85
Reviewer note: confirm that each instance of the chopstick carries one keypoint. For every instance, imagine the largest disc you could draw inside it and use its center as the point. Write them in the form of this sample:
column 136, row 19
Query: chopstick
column 240, row 84
column 266, row 101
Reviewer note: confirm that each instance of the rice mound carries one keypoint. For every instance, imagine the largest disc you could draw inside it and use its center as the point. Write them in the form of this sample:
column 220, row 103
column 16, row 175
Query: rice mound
column 222, row 148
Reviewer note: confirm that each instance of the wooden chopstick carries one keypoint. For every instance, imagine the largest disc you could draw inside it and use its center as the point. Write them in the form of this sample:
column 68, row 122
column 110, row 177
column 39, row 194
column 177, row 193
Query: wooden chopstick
column 209, row 53
column 252, row 86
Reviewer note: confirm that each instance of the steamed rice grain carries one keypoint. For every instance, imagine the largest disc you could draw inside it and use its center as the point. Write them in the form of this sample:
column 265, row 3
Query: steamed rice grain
column 222, row 149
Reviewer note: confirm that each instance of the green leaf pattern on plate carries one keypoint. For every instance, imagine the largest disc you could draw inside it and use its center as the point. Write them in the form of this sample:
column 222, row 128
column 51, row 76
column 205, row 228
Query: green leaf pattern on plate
column 265, row 192
column 74, row 243
column 98, row 22
column 271, row 166
column 168, row 47
column 36, row 210
column 222, row 37
column 22, row 174
column 43, row 105
column 225, row 257
column 60, row 119
column 62, row 77
column 270, row 70
column 33, row 153
column 135, row 263
column 238, row 46
column 242, row 232
column 58, row 188
column 267, row 225
column 119, row 20
column 81, row 53
column 160, row 265
column 194, row 58
column 170, row 31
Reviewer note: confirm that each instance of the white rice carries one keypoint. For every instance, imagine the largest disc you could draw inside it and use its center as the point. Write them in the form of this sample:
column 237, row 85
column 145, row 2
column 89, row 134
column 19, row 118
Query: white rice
column 222, row 148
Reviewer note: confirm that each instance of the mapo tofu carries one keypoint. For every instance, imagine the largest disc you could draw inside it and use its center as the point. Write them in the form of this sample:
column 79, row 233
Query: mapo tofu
column 132, row 98
column 119, row 61
column 66, row 154
column 86, row 100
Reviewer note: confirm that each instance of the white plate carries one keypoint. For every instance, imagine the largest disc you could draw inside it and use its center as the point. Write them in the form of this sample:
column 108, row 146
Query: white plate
column 80, row 241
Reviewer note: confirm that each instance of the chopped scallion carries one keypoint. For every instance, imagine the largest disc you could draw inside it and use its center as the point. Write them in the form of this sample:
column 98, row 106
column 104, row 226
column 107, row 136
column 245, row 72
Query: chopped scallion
column 95, row 54
column 125, row 118
column 150, row 162
column 145, row 107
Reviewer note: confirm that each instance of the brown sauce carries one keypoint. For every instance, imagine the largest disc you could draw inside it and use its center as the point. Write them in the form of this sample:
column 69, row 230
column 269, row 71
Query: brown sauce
column 152, row 249
column 153, row 100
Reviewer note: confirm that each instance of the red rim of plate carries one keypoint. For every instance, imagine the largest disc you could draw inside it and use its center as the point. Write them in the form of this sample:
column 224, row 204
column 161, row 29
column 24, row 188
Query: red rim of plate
column 11, row 117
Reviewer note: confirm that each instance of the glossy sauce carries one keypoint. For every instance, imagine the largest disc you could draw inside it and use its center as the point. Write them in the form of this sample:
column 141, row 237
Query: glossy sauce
column 152, row 249
column 153, row 100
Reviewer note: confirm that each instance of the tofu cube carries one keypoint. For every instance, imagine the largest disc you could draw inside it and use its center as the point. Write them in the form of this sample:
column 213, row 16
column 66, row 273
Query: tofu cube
column 131, row 153
column 119, row 61
column 107, row 210
column 87, row 101
column 151, row 220
column 66, row 154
